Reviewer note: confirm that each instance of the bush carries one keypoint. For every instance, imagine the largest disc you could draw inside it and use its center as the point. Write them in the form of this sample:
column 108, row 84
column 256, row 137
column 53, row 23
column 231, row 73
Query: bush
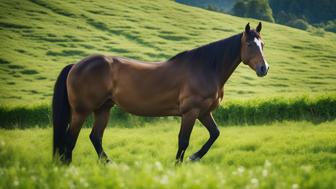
column 299, row 23
column 330, row 26
column 315, row 109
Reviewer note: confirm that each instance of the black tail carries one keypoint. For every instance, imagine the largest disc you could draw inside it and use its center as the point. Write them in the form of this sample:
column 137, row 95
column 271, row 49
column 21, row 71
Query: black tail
column 60, row 111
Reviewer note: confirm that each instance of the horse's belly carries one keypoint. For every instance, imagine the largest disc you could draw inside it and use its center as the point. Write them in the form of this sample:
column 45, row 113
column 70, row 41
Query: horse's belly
column 151, row 104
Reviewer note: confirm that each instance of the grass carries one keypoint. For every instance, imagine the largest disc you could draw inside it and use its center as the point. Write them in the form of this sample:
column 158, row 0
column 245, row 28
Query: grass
column 281, row 155
column 315, row 109
column 40, row 37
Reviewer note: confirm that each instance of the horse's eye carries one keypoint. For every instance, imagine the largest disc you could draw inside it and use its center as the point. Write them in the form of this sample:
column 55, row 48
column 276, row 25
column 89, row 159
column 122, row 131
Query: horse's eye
column 249, row 44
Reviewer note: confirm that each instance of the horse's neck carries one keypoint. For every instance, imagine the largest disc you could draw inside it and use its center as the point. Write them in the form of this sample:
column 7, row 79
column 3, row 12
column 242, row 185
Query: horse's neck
column 229, row 64
column 226, row 71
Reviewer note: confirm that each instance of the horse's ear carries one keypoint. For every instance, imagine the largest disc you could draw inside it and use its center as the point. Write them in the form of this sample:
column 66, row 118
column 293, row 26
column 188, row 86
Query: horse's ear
column 247, row 28
column 259, row 27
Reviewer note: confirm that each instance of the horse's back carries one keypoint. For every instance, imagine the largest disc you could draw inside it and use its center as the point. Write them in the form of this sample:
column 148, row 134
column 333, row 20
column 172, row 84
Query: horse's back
column 140, row 88
column 150, row 89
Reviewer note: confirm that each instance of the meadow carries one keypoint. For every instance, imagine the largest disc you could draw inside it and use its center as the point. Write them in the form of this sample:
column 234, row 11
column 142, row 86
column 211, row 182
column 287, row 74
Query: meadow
column 276, row 132
column 39, row 37
column 281, row 155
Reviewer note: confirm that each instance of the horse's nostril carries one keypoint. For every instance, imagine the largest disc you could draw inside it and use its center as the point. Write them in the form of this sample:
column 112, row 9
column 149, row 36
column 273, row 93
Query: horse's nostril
column 263, row 69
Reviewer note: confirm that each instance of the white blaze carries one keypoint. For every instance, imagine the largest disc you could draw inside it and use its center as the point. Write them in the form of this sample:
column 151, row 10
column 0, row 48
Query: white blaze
column 258, row 42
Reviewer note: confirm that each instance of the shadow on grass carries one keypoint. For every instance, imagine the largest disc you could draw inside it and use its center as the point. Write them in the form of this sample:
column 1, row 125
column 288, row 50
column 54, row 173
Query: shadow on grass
column 67, row 53
column 29, row 72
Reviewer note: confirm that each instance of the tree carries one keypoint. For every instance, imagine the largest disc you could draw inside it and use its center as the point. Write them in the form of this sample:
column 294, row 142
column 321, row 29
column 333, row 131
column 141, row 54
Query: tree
column 258, row 9
column 240, row 9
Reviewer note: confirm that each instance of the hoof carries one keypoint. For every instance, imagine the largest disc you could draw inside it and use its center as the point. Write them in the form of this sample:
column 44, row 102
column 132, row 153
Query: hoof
column 108, row 161
column 105, row 160
column 178, row 163
column 194, row 158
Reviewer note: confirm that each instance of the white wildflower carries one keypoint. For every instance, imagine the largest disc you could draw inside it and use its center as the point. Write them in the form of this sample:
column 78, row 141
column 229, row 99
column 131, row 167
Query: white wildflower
column 83, row 182
column 16, row 182
column 71, row 171
column 307, row 168
column 267, row 164
column 124, row 167
column 295, row 186
column 264, row 172
column 240, row 170
column 255, row 182
column 158, row 166
column 164, row 179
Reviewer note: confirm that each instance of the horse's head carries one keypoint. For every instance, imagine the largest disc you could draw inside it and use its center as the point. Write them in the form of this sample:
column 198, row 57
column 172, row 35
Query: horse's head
column 252, row 50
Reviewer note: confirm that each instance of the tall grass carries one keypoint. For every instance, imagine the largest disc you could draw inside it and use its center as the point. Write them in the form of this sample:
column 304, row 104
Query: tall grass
column 315, row 109
column 288, row 155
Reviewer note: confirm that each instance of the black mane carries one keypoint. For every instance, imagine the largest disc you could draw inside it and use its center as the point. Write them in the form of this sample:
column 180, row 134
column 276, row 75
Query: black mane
column 213, row 54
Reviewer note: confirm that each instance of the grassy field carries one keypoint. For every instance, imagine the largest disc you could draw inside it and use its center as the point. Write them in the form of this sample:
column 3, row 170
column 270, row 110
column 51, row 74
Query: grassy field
column 39, row 37
column 282, row 155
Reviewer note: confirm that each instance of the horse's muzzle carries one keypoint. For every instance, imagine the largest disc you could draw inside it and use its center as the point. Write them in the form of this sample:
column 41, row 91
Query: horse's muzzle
column 262, row 70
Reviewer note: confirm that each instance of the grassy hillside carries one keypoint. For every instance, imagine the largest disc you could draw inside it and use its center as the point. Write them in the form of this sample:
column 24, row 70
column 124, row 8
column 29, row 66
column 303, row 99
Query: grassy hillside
column 39, row 37
column 286, row 155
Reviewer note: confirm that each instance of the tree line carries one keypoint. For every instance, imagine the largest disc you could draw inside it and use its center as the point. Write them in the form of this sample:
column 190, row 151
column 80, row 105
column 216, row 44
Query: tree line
column 302, row 14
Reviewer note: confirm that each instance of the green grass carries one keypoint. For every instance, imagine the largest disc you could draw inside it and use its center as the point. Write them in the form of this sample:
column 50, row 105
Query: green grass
column 282, row 155
column 39, row 37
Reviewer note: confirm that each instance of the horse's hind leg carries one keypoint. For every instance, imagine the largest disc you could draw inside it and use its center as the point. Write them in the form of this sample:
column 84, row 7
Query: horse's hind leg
column 101, row 117
column 211, row 126
column 77, row 120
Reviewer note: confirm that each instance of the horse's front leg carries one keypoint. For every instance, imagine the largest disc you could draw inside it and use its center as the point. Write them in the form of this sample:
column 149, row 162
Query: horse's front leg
column 187, row 124
column 209, row 123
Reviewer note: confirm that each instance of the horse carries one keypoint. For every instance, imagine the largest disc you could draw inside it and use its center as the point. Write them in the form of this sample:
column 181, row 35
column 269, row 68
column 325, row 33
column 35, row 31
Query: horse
column 188, row 85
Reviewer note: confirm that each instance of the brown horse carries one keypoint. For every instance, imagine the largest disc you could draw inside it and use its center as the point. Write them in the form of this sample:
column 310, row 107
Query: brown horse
column 189, row 85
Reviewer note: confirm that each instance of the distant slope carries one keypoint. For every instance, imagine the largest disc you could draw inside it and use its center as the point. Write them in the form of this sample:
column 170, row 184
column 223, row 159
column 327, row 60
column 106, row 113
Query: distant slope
column 39, row 37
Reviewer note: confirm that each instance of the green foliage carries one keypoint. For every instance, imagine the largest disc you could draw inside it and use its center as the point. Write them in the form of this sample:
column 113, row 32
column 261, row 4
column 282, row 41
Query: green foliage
column 258, row 9
column 263, row 111
column 298, row 23
column 330, row 26
column 300, row 13
column 259, row 111
column 313, row 11
column 282, row 155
